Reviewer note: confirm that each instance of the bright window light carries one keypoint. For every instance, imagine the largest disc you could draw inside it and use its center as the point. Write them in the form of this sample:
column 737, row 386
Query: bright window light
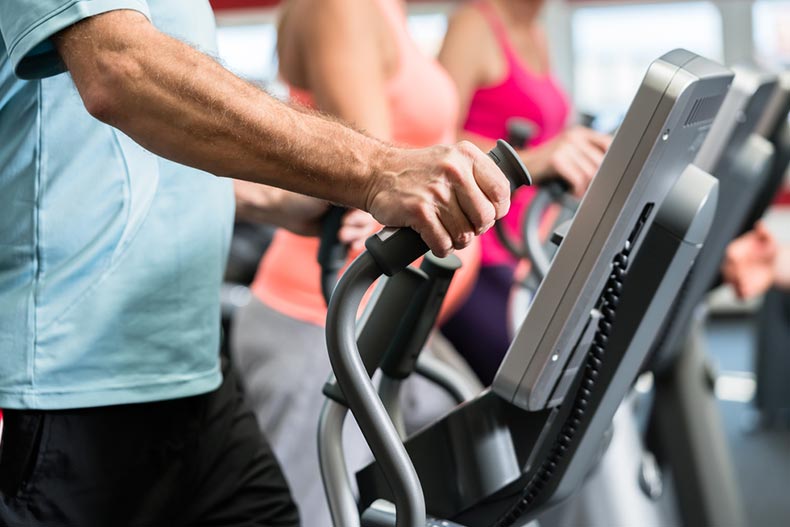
column 428, row 31
column 771, row 23
column 249, row 50
column 614, row 45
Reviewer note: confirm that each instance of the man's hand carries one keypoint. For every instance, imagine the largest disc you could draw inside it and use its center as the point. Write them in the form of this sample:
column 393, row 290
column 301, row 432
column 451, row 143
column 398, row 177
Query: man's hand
column 448, row 194
column 357, row 227
column 750, row 262
column 574, row 156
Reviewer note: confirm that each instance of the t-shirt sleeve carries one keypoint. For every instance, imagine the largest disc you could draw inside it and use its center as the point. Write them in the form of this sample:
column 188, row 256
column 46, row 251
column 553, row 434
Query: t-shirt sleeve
column 28, row 25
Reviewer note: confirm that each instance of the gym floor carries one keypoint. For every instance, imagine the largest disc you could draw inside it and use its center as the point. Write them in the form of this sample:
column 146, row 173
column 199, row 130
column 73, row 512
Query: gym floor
column 762, row 456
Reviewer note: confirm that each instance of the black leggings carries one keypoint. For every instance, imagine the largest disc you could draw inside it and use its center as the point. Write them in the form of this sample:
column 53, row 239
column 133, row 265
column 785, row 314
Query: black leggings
column 197, row 461
column 479, row 329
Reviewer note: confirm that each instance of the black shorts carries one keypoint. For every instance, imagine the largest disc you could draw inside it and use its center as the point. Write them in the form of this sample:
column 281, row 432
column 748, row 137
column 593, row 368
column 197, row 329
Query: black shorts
column 197, row 461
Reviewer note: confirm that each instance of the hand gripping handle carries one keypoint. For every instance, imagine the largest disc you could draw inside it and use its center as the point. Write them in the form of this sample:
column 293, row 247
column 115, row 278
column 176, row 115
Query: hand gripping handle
column 395, row 248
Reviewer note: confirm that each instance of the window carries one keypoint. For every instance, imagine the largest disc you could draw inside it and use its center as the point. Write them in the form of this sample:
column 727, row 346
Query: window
column 249, row 50
column 771, row 24
column 427, row 30
column 613, row 46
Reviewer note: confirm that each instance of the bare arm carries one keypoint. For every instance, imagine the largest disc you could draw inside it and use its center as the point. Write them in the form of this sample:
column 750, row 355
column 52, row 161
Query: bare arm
column 783, row 267
column 182, row 105
column 754, row 262
column 465, row 54
column 345, row 64
column 468, row 52
column 333, row 52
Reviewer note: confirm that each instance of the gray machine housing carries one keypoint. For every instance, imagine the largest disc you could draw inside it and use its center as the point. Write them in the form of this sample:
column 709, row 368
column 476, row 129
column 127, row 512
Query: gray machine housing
column 740, row 158
column 479, row 461
column 774, row 126
column 486, row 448
column 676, row 103
column 685, row 429
column 714, row 490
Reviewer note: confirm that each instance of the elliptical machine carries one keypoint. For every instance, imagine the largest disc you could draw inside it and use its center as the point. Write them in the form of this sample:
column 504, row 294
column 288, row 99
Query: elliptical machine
column 530, row 440
column 685, row 429
column 772, row 396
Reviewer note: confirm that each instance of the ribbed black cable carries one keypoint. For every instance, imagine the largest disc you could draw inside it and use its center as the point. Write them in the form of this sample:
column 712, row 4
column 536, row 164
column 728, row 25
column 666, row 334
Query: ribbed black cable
column 608, row 308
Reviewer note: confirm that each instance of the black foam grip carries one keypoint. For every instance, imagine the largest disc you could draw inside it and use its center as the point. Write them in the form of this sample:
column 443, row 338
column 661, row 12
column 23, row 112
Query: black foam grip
column 520, row 132
column 328, row 253
column 510, row 164
column 393, row 249
column 332, row 254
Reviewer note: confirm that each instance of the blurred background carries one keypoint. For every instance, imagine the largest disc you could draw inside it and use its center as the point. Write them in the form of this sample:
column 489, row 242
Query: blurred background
column 600, row 48
column 600, row 51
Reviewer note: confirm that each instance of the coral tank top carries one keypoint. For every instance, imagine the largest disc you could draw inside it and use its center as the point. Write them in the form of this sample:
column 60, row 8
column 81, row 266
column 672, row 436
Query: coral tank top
column 423, row 105
column 521, row 93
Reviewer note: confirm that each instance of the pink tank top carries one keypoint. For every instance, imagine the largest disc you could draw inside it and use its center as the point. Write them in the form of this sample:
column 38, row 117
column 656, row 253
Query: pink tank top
column 423, row 104
column 521, row 93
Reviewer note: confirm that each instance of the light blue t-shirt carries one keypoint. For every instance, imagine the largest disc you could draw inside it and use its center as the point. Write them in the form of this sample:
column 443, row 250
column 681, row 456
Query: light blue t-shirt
column 111, row 258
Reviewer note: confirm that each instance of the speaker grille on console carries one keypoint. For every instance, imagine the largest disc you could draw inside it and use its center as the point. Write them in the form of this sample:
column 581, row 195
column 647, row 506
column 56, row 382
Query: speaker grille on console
column 704, row 110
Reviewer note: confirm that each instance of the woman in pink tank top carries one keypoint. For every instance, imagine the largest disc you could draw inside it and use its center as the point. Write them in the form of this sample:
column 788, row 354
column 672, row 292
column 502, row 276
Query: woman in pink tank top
column 495, row 51
column 353, row 59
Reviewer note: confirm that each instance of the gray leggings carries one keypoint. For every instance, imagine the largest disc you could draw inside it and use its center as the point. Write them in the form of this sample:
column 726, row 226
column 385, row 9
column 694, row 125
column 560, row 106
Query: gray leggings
column 283, row 364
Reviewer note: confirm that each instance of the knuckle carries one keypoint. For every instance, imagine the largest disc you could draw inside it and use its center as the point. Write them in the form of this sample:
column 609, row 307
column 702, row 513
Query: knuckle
column 467, row 147
column 462, row 240
column 417, row 211
column 487, row 216
column 452, row 171
column 441, row 246
column 501, row 191
column 477, row 217
column 443, row 151
column 423, row 212
column 440, row 192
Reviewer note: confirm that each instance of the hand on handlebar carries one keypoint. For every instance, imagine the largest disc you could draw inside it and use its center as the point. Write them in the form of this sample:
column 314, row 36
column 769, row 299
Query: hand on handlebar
column 750, row 262
column 356, row 227
column 264, row 204
column 448, row 194
column 574, row 156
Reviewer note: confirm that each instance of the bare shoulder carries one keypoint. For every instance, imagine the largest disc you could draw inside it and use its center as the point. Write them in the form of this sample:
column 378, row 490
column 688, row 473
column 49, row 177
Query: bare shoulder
column 467, row 18
column 542, row 41
column 470, row 44
column 329, row 15
column 468, row 30
column 338, row 23
column 308, row 26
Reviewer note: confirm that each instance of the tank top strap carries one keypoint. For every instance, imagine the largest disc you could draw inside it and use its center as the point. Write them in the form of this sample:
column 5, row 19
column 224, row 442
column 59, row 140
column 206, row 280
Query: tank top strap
column 498, row 28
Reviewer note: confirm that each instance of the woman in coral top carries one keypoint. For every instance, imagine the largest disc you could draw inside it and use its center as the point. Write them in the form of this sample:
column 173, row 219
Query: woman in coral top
column 353, row 59
column 495, row 51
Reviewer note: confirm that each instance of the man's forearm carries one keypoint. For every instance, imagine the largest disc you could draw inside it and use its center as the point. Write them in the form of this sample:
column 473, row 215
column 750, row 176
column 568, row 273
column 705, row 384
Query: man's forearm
column 182, row 105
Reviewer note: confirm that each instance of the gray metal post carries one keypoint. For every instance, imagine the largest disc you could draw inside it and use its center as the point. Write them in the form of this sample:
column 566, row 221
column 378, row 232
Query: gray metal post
column 689, row 431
